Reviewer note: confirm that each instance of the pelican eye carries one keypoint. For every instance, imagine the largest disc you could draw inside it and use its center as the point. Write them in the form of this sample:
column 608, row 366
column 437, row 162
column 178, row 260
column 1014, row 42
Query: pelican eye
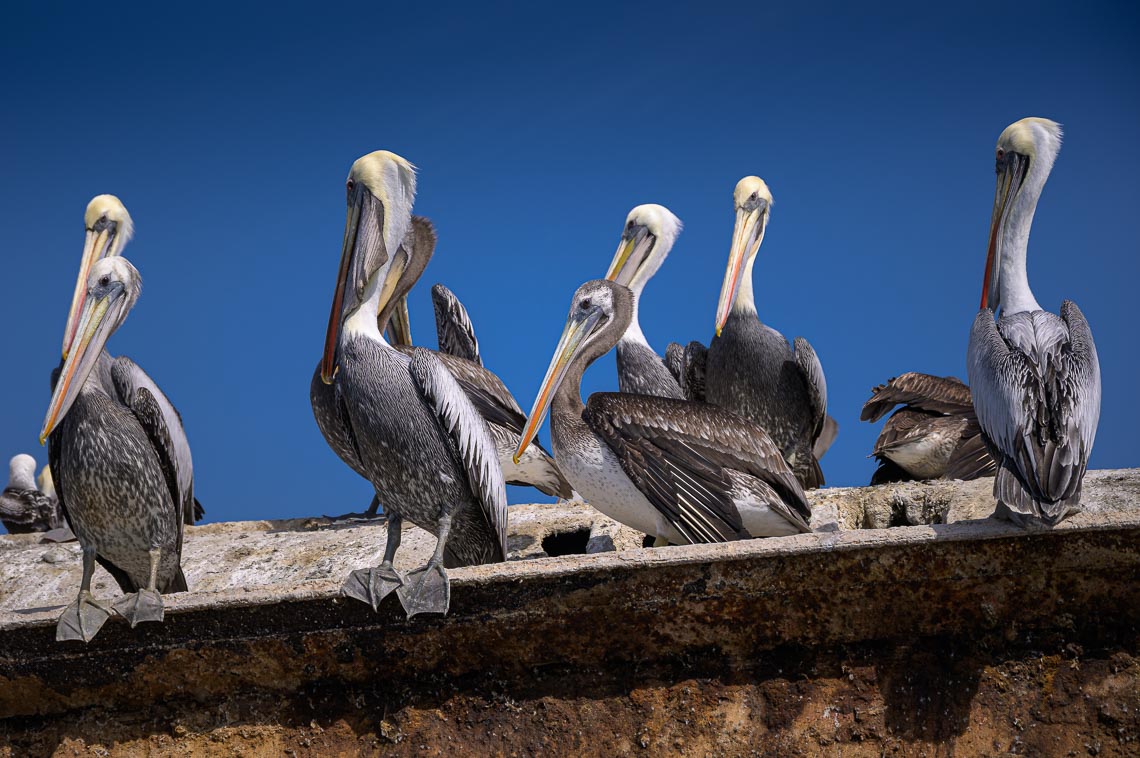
column 104, row 281
column 585, row 304
column 349, row 186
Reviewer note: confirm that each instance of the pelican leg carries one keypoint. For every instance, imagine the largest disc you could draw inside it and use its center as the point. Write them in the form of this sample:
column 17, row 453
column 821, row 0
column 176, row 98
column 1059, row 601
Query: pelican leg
column 146, row 604
column 85, row 617
column 373, row 507
column 427, row 589
column 372, row 585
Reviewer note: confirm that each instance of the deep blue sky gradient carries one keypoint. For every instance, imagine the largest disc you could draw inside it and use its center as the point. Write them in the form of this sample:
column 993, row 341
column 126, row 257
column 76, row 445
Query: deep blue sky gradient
column 228, row 132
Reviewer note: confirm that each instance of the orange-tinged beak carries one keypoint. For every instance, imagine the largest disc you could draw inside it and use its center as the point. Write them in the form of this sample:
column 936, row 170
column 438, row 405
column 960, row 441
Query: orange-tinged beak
column 336, row 314
column 95, row 326
column 95, row 246
column 579, row 326
column 746, row 237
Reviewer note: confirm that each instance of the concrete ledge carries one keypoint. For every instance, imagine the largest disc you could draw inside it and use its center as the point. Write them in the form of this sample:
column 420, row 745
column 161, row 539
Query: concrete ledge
column 555, row 630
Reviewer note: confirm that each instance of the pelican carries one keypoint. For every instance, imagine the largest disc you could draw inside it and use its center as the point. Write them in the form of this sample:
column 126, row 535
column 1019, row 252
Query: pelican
column 111, row 451
column 458, row 345
column 934, row 435
column 683, row 472
column 109, row 228
column 420, row 441
column 649, row 233
column 24, row 507
column 1035, row 376
column 751, row 369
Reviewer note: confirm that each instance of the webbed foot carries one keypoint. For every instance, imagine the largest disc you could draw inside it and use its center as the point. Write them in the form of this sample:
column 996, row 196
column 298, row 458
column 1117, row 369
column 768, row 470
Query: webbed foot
column 62, row 534
column 82, row 620
column 426, row 590
column 144, row 605
column 371, row 585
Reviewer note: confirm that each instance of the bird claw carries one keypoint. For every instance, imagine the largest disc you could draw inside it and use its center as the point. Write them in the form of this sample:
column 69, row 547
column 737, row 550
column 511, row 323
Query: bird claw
column 144, row 605
column 427, row 590
column 82, row 620
column 371, row 585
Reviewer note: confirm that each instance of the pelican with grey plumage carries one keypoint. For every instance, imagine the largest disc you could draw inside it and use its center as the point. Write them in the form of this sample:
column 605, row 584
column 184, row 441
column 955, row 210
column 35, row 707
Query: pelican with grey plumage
column 109, row 228
column 649, row 234
column 681, row 471
column 1035, row 377
column 749, row 368
column 459, row 352
column 419, row 439
column 114, row 462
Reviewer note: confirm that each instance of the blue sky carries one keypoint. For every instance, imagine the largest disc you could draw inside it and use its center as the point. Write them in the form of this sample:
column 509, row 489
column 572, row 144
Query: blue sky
column 228, row 134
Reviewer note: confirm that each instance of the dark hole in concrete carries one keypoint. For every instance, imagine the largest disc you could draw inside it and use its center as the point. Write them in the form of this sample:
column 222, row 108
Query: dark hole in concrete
column 566, row 543
column 648, row 540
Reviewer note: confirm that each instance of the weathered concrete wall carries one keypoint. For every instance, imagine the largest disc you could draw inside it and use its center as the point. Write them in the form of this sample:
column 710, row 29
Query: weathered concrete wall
column 973, row 636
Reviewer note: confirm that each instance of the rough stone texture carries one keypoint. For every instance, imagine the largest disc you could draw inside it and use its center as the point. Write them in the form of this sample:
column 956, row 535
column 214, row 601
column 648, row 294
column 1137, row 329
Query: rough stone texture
column 971, row 638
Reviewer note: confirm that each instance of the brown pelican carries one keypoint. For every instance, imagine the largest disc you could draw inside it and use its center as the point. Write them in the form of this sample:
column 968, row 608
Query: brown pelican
column 1035, row 376
column 24, row 507
column 111, row 451
column 935, row 433
column 684, row 472
column 486, row 391
column 649, row 233
column 751, row 369
column 109, row 228
column 420, row 441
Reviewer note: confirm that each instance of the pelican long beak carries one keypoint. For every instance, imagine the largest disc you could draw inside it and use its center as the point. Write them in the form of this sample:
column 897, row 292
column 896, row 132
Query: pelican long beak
column 1010, row 177
column 746, row 237
column 631, row 252
column 336, row 315
column 98, row 321
column 97, row 245
column 578, row 327
column 400, row 325
column 392, row 274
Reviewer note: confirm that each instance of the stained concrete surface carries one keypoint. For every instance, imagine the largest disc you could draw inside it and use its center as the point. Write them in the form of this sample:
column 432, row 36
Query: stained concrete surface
column 973, row 637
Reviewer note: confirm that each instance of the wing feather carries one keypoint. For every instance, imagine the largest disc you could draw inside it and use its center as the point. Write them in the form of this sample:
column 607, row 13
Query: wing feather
column 454, row 330
column 679, row 454
column 1036, row 389
column 469, row 433
column 128, row 377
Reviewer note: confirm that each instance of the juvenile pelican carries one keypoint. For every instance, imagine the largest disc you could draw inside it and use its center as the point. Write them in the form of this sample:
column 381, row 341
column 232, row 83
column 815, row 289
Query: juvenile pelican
column 935, row 433
column 109, row 229
column 24, row 507
column 1035, row 377
column 111, row 453
column 648, row 236
column 751, row 369
column 684, row 472
column 420, row 441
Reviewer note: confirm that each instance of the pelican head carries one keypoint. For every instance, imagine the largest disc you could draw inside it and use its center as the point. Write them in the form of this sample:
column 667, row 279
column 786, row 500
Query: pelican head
column 599, row 314
column 649, row 234
column 109, row 229
column 753, row 203
column 22, row 472
column 113, row 288
column 381, row 188
column 1025, row 154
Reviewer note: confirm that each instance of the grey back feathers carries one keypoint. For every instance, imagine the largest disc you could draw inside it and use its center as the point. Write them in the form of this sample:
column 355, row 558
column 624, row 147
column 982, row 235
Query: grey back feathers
column 1036, row 390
